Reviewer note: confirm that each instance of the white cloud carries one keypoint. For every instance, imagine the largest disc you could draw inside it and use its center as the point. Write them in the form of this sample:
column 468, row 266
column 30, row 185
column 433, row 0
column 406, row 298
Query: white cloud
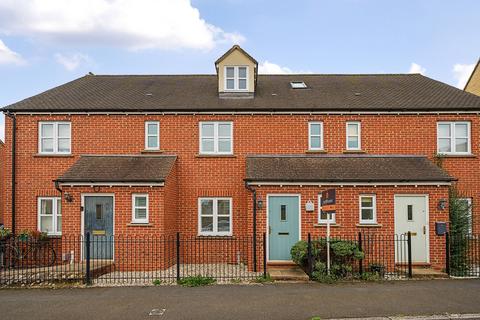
column 8, row 56
column 73, row 61
column 132, row 24
column 416, row 68
column 268, row 67
column 461, row 73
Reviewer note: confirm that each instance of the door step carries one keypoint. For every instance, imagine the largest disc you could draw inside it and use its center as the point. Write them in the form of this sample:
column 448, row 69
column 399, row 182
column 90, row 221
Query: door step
column 427, row 273
column 287, row 273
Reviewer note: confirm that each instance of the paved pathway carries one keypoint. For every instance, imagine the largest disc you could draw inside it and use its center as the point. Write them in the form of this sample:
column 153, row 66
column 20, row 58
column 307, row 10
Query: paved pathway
column 272, row 301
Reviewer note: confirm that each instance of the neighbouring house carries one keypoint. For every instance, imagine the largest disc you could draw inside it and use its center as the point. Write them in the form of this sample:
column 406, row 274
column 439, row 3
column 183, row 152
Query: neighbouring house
column 473, row 83
column 140, row 155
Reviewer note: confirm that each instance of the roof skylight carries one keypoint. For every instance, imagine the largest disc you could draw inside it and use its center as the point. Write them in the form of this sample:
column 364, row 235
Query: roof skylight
column 298, row 85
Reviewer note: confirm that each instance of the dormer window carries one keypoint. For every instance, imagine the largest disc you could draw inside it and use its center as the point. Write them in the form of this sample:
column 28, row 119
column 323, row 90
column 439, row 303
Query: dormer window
column 236, row 78
column 298, row 85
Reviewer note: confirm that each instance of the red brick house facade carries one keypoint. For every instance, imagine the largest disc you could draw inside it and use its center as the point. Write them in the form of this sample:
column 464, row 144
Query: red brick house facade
column 217, row 128
column 2, row 178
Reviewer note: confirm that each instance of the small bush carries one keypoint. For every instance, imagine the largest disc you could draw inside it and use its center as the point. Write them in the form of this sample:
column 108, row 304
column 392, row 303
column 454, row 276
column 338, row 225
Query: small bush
column 262, row 279
column 157, row 282
column 343, row 254
column 196, row 281
column 370, row 276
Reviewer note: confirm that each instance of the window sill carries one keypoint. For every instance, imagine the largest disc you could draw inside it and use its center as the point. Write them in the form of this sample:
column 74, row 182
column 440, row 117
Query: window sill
column 315, row 151
column 152, row 151
column 138, row 224
column 452, row 155
column 219, row 237
column 54, row 236
column 42, row 155
column 324, row 225
column 366, row 225
column 354, row 151
column 215, row 156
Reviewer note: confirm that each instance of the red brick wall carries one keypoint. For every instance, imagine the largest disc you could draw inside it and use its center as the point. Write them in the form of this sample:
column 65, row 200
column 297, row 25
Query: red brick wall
column 206, row 176
column 347, row 212
column 2, row 178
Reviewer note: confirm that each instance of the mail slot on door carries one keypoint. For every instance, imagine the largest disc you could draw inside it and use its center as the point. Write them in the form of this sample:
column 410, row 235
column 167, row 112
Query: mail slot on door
column 283, row 233
column 98, row 232
column 413, row 234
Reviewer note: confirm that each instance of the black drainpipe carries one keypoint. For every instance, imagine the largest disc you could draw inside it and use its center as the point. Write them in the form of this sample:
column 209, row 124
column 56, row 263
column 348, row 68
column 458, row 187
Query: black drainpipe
column 254, row 198
column 14, row 140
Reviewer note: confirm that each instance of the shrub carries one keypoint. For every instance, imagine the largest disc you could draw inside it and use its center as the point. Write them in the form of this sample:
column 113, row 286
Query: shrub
column 196, row 281
column 343, row 253
column 157, row 282
column 5, row 233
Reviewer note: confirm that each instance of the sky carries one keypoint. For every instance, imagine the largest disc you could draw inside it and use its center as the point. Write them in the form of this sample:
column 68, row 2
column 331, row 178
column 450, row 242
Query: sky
column 44, row 43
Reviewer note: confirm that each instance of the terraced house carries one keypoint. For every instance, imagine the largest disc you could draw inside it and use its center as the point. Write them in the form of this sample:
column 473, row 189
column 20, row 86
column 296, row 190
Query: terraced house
column 240, row 153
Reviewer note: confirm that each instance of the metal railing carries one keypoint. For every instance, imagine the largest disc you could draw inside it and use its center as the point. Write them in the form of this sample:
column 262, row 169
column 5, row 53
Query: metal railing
column 126, row 259
column 380, row 255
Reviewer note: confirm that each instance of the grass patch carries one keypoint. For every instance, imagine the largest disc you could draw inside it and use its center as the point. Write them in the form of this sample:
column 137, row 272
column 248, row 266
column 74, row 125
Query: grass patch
column 262, row 279
column 196, row 281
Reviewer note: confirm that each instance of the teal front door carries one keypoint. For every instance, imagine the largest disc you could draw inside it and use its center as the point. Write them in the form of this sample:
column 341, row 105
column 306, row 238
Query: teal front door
column 283, row 225
column 98, row 221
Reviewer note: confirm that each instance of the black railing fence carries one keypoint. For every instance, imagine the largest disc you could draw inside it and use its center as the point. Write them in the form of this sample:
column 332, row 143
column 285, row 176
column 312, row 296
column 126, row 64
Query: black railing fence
column 462, row 255
column 130, row 259
column 380, row 255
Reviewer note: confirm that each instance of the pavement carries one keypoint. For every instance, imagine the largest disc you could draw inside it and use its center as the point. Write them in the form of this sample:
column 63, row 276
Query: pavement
column 270, row 301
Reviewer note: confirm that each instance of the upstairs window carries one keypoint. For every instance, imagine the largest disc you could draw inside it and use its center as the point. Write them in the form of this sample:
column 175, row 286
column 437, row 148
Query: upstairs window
column 54, row 138
column 216, row 138
column 50, row 215
column 152, row 135
column 315, row 136
column 236, row 78
column 353, row 135
column 453, row 137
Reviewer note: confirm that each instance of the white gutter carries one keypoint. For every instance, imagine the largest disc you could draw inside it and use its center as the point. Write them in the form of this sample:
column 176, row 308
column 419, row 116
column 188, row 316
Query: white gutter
column 350, row 184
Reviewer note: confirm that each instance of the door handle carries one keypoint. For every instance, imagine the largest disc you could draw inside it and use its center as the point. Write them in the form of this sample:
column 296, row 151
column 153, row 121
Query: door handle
column 424, row 229
column 269, row 230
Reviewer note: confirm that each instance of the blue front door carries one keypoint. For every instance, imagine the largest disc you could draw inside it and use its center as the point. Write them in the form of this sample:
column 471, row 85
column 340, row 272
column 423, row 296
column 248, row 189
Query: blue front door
column 283, row 225
column 98, row 221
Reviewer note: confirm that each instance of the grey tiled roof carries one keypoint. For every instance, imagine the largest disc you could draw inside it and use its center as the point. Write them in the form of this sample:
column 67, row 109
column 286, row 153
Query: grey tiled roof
column 343, row 168
column 113, row 168
column 390, row 92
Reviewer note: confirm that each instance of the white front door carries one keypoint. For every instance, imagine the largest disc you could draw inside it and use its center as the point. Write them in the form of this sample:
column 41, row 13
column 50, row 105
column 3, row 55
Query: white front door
column 411, row 215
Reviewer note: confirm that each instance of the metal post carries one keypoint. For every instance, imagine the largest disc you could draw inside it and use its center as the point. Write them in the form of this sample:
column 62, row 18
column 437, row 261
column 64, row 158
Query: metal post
column 309, row 256
column 254, row 231
column 409, row 247
column 447, row 252
column 360, row 261
column 87, row 258
column 178, row 256
column 264, row 255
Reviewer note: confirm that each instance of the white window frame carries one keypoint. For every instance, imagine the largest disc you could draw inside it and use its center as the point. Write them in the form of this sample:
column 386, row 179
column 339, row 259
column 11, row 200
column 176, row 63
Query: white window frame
column 236, row 78
column 216, row 137
column 147, row 135
column 374, row 204
column 452, row 137
column 320, row 220
column 358, row 136
column 134, row 218
column 54, row 215
column 470, row 211
column 55, row 136
column 215, row 231
column 310, row 135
